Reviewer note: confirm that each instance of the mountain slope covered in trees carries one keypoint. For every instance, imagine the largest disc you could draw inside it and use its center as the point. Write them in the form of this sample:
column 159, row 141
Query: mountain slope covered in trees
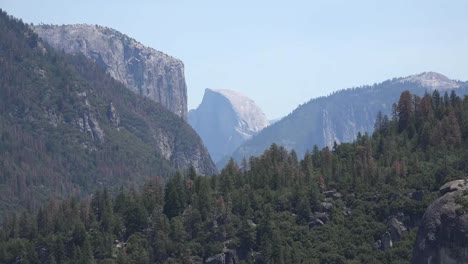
column 340, row 116
column 67, row 128
column 358, row 202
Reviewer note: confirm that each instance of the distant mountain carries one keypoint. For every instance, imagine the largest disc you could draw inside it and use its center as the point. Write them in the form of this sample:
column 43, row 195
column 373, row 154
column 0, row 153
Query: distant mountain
column 340, row 116
column 143, row 70
column 68, row 128
column 225, row 119
column 272, row 121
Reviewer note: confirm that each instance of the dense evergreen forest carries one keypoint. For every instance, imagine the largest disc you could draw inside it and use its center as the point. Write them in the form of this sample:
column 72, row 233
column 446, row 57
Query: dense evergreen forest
column 332, row 206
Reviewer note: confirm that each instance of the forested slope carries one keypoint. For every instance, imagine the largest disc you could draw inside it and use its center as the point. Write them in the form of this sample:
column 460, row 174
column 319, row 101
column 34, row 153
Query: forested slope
column 67, row 128
column 358, row 202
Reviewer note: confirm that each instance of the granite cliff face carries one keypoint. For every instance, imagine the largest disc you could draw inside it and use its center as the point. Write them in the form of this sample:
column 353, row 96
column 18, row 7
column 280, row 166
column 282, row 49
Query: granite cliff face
column 143, row 70
column 443, row 234
column 340, row 116
column 225, row 119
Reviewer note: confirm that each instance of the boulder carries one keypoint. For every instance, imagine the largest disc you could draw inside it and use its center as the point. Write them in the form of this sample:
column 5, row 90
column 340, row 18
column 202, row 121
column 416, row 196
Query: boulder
column 327, row 206
column 387, row 242
column 453, row 186
column 347, row 211
column 396, row 229
column 337, row 195
column 323, row 217
column 329, row 193
column 315, row 223
column 378, row 244
column 443, row 234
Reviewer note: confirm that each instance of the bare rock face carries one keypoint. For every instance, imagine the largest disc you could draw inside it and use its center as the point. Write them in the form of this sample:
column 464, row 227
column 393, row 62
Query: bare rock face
column 113, row 116
column 143, row 70
column 432, row 81
column 225, row 119
column 443, row 234
column 88, row 121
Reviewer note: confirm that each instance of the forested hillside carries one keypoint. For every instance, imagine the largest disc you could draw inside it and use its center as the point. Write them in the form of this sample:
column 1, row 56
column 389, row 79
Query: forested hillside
column 358, row 202
column 67, row 128
column 340, row 116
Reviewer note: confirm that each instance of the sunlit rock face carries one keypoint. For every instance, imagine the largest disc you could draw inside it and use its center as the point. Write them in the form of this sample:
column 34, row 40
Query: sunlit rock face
column 143, row 70
column 225, row 119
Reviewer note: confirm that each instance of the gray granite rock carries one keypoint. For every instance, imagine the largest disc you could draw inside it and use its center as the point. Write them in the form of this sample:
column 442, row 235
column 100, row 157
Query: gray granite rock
column 143, row 70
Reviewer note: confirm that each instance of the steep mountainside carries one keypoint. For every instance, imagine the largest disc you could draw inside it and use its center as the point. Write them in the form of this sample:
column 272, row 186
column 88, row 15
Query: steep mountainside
column 225, row 119
column 66, row 127
column 341, row 116
column 143, row 70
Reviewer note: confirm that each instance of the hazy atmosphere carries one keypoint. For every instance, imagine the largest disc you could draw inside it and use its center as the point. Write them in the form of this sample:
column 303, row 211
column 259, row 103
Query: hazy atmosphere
column 147, row 132
column 279, row 53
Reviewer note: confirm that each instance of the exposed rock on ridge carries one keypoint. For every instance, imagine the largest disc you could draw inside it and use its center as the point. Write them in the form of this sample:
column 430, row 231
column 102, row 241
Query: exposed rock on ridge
column 143, row 70
column 225, row 119
column 432, row 81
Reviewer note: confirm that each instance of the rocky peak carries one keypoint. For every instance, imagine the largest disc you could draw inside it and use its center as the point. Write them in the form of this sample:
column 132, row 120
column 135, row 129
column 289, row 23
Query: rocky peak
column 143, row 70
column 251, row 117
column 225, row 119
column 432, row 81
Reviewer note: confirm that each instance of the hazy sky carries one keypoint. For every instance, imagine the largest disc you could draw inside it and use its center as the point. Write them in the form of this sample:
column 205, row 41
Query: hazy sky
column 281, row 53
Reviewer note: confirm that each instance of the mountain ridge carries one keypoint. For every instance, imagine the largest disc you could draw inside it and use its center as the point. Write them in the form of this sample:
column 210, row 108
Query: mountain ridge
column 338, row 117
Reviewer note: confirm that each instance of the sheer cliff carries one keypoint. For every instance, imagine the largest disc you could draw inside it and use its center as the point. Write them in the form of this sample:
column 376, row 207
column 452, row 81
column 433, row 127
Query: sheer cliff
column 225, row 119
column 143, row 70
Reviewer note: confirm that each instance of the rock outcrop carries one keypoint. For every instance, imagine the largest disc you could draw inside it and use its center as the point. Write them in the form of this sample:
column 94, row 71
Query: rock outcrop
column 225, row 119
column 143, row 70
column 227, row 257
column 443, row 234
column 431, row 81
column 396, row 229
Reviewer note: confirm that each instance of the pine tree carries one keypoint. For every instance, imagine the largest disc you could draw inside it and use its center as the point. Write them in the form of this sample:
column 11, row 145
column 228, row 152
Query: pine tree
column 174, row 196
column 405, row 110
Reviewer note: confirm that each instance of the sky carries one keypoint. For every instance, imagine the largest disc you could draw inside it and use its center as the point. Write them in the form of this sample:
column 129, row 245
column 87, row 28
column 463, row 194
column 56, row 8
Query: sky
column 280, row 53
